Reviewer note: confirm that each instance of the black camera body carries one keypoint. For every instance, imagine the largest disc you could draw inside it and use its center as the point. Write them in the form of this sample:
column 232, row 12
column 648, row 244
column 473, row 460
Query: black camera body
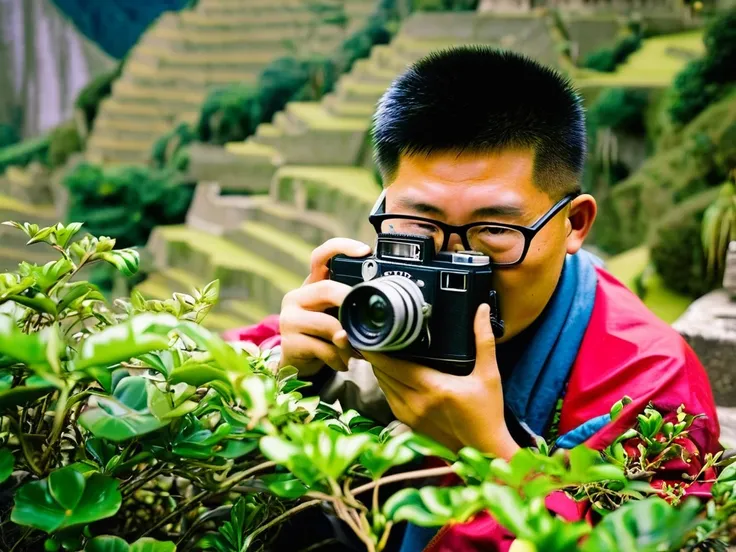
column 413, row 303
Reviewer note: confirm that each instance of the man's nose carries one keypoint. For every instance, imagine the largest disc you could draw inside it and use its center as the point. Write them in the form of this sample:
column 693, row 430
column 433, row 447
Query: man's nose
column 455, row 243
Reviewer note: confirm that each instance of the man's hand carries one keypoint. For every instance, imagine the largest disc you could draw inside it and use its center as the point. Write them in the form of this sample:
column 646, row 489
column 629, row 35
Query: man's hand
column 454, row 410
column 310, row 338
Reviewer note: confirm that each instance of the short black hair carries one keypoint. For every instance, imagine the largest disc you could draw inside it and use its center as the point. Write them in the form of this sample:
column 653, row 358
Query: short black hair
column 479, row 99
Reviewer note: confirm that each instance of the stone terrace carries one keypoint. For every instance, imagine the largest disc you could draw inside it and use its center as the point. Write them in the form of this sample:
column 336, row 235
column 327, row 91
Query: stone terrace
column 185, row 54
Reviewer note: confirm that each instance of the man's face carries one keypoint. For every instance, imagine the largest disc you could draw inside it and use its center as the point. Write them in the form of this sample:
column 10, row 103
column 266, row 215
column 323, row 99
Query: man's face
column 498, row 187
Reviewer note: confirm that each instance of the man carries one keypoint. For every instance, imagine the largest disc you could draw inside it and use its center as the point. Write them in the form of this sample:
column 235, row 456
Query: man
column 474, row 135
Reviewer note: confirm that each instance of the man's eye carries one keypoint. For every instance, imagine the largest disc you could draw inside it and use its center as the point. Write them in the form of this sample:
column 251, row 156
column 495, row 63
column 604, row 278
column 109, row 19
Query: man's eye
column 495, row 230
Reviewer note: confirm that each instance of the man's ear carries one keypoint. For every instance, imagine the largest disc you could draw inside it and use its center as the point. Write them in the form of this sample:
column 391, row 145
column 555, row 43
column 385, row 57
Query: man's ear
column 579, row 221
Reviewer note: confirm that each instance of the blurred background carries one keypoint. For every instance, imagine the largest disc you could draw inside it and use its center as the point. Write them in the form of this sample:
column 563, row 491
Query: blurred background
column 227, row 138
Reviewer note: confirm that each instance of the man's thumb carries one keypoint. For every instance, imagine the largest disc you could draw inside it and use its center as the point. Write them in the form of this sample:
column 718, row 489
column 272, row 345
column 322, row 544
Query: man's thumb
column 485, row 342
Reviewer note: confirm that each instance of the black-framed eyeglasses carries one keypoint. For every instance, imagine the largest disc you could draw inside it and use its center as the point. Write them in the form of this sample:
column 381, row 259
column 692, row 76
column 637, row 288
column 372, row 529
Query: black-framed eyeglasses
column 505, row 244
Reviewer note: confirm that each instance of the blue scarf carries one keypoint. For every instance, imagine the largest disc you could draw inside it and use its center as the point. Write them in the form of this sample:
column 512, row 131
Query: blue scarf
column 538, row 380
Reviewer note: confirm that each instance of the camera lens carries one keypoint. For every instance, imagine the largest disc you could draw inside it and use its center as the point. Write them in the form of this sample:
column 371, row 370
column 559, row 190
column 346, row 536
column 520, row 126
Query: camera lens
column 376, row 314
column 385, row 314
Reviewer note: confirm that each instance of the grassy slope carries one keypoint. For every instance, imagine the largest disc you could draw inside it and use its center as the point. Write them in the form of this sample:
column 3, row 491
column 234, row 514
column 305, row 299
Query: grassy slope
column 665, row 303
column 652, row 64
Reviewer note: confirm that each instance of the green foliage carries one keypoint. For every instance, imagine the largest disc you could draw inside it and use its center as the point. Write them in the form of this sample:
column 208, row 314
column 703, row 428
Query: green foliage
column 620, row 109
column 90, row 97
column 697, row 158
column 228, row 114
column 24, row 153
column 719, row 229
column 445, row 5
column 677, row 248
column 64, row 141
column 133, row 420
column 125, row 202
column 706, row 80
column 607, row 60
column 171, row 146
column 8, row 135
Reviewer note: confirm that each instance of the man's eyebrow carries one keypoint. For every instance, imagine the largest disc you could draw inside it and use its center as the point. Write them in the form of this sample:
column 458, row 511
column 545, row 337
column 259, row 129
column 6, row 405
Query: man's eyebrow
column 420, row 207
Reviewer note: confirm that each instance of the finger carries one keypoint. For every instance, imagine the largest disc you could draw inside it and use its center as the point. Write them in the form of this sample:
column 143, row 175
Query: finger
column 306, row 348
column 398, row 396
column 317, row 324
column 411, row 375
column 485, row 343
column 322, row 254
column 318, row 296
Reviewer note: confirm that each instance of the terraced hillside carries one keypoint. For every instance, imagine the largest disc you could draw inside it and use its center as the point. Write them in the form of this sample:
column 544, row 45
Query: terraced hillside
column 185, row 54
column 24, row 197
column 264, row 204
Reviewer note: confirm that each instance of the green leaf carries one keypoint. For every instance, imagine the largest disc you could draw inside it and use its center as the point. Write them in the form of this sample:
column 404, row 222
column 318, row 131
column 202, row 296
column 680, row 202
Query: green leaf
column 647, row 525
column 125, row 260
column 7, row 460
column 197, row 374
column 432, row 507
column 100, row 450
column 132, row 392
column 140, row 334
column 237, row 449
column 35, row 506
column 378, row 458
column 66, row 487
column 147, row 544
column 73, row 292
column 507, row 507
column 25, row 348
column 34, row 388
column 6, row 380
column 115, row 422
column 427, row 447
column 107, row 543
column 285, row 485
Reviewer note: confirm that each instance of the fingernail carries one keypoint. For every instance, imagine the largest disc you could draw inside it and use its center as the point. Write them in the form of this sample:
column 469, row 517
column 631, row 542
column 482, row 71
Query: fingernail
column 365, row 250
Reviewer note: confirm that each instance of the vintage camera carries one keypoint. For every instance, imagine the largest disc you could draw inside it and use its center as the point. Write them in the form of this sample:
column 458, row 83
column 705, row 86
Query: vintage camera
column 416, row 304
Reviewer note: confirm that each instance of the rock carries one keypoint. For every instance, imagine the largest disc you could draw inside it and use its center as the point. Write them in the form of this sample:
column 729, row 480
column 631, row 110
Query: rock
column 709, row 326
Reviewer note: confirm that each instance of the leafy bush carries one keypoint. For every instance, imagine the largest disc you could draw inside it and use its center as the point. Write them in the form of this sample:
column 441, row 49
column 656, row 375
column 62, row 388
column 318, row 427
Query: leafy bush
column 64, row 141
column 8, row 135
column 706, row 80
column 677, row 247
column 24, row 153
column 620, row 109
column 125, row 202
column 719, row 229
column 133, row 420
column 445, row 5
column 166, row 148
column 607, row 59
column 90, row 97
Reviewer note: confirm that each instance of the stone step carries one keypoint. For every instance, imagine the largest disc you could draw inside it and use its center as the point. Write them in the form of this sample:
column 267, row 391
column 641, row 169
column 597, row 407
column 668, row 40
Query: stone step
column 112, row 109
column 102, row 148
column 244, row 312
column 171, row 99
column 368, row 72
column 194, row 77
column 18, row 211
column 281, row 248
column 332, row 104
column 350, row 89
column 243, row 166
column 131, row 129
column 313, row 228
column 250, row 62
column 11, row 257
column 242, row 274
column 347, row 193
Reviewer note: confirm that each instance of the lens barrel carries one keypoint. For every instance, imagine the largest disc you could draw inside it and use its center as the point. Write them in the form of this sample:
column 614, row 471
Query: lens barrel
column 384, row 314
